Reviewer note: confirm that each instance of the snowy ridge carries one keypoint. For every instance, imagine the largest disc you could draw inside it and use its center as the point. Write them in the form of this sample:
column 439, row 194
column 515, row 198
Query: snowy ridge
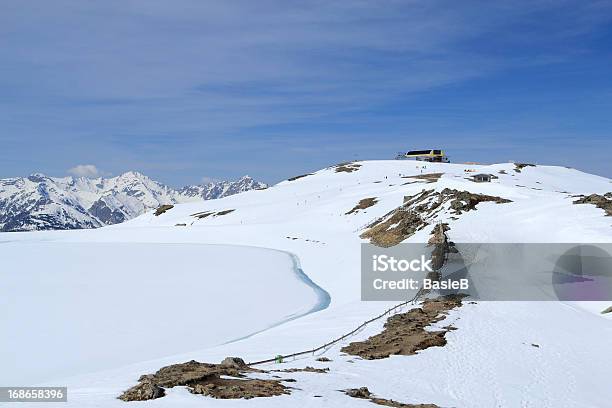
column 220, row 189
column 39, row 202
column 206, row 263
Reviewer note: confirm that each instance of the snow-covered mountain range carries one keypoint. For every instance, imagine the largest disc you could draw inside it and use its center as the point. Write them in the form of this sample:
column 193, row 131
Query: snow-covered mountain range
column 39, row 202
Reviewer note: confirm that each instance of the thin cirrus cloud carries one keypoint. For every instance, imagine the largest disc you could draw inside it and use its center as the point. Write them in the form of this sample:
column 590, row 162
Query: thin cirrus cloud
column 199, row 84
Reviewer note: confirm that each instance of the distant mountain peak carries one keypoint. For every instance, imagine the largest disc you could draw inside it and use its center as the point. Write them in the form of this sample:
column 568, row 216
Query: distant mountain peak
column 133, row 174
column 37, row 177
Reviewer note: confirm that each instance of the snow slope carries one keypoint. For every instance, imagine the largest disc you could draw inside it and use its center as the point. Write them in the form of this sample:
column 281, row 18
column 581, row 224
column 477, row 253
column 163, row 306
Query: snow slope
column 488, row 361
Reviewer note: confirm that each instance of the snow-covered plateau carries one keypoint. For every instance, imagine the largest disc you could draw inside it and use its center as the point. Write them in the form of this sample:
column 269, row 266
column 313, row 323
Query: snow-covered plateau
column 276, row 271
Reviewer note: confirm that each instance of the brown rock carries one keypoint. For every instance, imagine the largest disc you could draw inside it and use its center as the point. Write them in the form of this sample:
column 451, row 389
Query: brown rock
column 145, row 390
column 162, row 209
column 362, row 392
column 234, row 362
column 600, row 201
column 406, row 333
column 206, row 379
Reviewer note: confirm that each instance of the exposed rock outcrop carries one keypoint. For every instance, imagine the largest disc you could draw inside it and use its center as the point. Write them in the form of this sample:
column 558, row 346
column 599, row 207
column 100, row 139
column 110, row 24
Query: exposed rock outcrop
column 361, row 392
column 428, row 177
column 348, row 167
column 213, row 214
column 462, row 201
column 519, row 166
column 206, row 379
column 306, row 369
column 406, row 333
column 363, row 204
column 162, row 209
column 364, row 393
column 600, row 201
column 145, row 390
column 299, row 177
column 234, row 362
column 420, row 210
column 394, row 227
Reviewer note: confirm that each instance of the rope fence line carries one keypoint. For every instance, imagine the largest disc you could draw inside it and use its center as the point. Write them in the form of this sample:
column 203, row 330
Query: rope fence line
column 331, row 343
column 420, row 293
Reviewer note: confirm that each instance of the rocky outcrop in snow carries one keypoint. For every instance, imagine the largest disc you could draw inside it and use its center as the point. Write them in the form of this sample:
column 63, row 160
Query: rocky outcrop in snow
column 600, row 201
column 419, row 210
column 223, row 381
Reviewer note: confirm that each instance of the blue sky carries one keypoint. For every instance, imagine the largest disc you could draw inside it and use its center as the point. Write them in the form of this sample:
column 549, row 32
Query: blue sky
column 187, row 90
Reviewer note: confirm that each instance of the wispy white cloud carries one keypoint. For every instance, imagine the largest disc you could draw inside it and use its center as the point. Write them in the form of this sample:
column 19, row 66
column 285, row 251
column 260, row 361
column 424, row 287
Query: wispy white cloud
column 207, row 180
column 85, row 170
